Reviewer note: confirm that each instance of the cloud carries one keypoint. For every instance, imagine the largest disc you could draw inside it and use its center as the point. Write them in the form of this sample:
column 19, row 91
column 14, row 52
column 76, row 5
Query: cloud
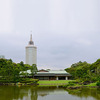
column 64, row 31
column 6, row 17
column 84, row 42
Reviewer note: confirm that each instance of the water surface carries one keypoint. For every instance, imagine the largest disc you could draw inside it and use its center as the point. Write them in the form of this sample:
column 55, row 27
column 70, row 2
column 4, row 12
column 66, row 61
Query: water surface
column 47, row 93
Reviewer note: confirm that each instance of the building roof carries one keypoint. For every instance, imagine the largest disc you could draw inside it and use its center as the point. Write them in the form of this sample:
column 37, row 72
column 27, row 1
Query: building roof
column 53, row 73
column 28, row 72
column 49, row 73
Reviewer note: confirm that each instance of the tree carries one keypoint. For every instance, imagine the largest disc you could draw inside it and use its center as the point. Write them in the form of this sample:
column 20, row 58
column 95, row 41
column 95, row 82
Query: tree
column 79, row 70
column 9, row 70
column 34, row 69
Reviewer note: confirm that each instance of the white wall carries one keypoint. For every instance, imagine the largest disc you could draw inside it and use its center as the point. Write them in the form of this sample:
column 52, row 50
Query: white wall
column 31, row 55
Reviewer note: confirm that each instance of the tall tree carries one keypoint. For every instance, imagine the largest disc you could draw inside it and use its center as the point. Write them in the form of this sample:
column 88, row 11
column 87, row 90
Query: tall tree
column 34, row 69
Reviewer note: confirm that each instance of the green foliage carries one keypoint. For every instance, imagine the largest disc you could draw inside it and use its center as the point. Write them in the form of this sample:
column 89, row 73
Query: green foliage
column 28, row 80
column 34, row 69
column 79, row 70
column 24, row 67
column 9, row 71
column 85, row 71
column 98, row 83
column 70, row 83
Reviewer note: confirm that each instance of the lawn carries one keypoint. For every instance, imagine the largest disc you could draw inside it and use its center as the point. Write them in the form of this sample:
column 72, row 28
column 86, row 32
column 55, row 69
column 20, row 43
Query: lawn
column 43, row 83
column 92, row 84
column 53, row 82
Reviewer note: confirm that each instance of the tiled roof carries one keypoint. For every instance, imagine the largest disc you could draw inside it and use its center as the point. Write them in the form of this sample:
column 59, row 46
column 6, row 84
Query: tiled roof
column 53, row 73
column 49, row 73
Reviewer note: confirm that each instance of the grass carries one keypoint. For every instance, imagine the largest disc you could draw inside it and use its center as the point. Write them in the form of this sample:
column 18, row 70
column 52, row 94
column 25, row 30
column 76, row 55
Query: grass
column 44, row 83
column 53, row 82
column 75, row 86
column 91, row 84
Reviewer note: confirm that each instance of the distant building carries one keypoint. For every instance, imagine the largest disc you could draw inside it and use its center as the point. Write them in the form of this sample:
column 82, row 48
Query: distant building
column 49, row 75
column 2, row 56
column 52, row 75
column 31, row 53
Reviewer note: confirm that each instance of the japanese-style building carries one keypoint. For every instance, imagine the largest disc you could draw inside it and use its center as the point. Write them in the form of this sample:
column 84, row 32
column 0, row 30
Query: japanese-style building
column 52, row 75
column 49, row 74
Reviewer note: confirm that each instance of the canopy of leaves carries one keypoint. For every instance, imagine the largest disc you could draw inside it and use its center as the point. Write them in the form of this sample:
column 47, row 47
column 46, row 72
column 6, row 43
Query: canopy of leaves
column 85, row 71
column 9, row 70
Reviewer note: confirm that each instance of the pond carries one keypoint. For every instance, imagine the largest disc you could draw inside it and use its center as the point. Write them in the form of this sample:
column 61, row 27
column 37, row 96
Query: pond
column 47, row 93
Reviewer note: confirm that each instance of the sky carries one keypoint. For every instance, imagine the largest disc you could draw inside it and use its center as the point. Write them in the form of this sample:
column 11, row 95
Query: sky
column 64, row 31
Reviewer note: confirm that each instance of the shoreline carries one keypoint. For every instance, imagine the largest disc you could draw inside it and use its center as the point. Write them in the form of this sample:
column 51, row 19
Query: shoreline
column 58, row 83
column 78, row 87
column 18, row 84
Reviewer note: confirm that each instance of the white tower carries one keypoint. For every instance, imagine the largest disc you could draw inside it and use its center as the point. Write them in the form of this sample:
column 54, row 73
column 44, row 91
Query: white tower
column 31, row 53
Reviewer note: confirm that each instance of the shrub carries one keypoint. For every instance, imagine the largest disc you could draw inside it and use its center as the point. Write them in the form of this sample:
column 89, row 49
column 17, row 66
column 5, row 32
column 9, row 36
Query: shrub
column 29, row 80
column 98, row 83
column 71, row 83
column 6, row 81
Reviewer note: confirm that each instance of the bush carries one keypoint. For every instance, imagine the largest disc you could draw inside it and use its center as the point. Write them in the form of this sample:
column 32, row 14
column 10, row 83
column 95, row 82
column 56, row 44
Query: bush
column 28, row 80
column 5, row 81
column 71, row 83
column 98, row 83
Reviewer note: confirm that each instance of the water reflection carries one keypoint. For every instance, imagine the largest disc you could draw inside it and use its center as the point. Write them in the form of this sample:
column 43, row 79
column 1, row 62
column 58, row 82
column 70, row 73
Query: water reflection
column 47, row 93
column 18, row 93
column 86, row 92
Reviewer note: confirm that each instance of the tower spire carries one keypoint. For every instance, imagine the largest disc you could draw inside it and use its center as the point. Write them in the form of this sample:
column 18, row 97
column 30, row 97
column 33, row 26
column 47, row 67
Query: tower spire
column 31, row 37
column 31, row 42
